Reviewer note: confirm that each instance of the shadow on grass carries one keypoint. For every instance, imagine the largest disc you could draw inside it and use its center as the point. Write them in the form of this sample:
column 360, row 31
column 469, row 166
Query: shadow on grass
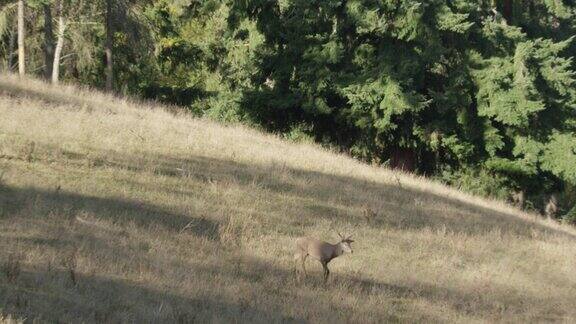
column 312, row 196
column 329, row 196
column 20, row 90
column 31, row 201
column 52, row 296
column 327, row 301
column 490, row 302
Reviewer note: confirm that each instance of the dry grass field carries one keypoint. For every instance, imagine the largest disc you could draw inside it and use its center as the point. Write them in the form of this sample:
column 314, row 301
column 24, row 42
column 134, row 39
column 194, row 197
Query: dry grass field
column 117, row 211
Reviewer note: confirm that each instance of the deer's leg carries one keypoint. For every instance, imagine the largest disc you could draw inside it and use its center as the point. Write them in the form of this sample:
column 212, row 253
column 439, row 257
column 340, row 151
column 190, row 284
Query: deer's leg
column 300, row 257
column 326, row 271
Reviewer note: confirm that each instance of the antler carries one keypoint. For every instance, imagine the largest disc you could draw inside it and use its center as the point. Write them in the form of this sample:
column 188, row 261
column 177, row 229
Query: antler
column 349, row 237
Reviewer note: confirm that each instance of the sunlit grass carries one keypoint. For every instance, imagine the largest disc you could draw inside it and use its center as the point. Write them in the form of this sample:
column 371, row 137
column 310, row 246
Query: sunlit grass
column 113, row 210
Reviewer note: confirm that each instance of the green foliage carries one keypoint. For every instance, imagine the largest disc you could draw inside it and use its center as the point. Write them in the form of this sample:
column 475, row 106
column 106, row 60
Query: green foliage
column 447, row 20
column 6, row 13
column 559, row 156
column 570, row 217
column 300, row 134
column 478, row 182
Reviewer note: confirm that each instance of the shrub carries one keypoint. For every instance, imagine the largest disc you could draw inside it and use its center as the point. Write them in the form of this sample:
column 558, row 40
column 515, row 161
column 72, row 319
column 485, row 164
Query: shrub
column 300, row 134
column 478, row 182
column 570, row 217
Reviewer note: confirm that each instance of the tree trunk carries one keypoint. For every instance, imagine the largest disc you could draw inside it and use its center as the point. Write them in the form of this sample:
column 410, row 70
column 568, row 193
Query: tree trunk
column 507, row 11
column 48, row 42
column 21, row 38
column 11, row 49
column 108, row 46
column 506, row 7
column 59, row 43
column 403, row 159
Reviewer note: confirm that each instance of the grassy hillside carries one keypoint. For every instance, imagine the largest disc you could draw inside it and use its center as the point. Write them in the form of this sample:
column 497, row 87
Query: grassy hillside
column 112, row 211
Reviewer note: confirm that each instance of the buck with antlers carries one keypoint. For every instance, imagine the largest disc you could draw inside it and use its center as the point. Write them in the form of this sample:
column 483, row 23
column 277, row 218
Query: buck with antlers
column 322, row 251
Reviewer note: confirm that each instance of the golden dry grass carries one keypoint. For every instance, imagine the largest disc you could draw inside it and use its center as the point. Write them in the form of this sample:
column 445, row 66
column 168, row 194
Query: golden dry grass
column 112, row 210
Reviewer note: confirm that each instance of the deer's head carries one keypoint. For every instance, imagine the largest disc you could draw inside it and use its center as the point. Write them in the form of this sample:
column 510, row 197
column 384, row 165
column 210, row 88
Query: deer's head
column 346, row 243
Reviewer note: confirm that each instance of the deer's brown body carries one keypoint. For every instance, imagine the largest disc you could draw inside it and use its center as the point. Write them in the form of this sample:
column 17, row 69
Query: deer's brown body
column 321, row 251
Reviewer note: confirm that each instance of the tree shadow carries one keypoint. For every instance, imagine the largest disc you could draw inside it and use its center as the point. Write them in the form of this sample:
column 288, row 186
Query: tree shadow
column 20, row 90
column 54, row 297
column 313, row 195
column 496, row 302
column 490, row 305
column 328, row 196
column 25, row 201
column 98, row 299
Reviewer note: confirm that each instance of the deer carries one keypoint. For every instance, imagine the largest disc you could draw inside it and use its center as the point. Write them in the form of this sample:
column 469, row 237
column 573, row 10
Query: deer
column 518, row 198
column 551, row 207
column 321, row 251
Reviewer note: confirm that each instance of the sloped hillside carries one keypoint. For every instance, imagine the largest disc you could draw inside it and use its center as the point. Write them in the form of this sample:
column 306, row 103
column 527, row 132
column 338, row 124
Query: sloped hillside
column 112, row 210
